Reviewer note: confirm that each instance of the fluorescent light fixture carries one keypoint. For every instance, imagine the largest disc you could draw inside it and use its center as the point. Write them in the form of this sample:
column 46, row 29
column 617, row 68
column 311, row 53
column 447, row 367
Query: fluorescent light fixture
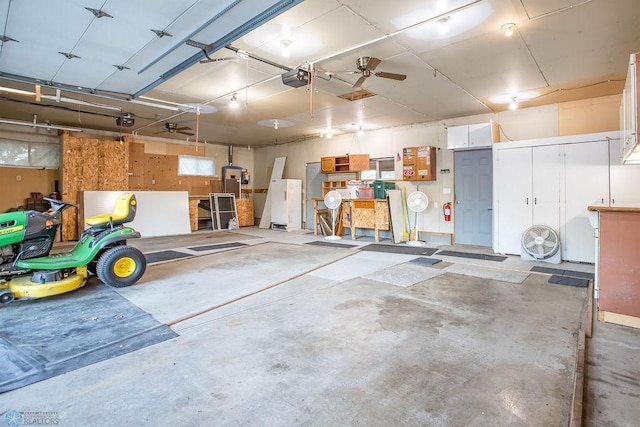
column 39, row 125
column 17, row 91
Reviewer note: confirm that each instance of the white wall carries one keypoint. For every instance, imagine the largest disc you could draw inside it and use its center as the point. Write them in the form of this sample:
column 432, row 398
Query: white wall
column 537, row 122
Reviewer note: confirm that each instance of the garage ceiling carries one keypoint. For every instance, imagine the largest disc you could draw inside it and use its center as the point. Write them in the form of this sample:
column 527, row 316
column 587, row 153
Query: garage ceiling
column 83, row 64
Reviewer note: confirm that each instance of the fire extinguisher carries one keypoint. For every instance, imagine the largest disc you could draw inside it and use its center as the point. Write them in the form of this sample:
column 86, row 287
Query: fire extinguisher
column 446, row 209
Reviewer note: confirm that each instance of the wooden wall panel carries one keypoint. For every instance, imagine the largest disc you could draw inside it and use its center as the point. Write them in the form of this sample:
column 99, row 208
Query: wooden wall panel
column 185, row 149
column 589, row 115
column 16, row 190
column 136, row 166
column 90, row 163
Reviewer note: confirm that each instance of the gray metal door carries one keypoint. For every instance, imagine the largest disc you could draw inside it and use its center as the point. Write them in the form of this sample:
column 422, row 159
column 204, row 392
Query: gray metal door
column 473, row 190
column 313, row 189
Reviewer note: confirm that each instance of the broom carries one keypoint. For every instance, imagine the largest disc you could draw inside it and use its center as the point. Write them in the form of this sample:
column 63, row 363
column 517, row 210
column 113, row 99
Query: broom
column 405, row 235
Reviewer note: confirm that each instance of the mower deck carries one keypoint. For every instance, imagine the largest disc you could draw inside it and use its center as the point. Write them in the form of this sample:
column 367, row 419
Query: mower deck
column 24, row 287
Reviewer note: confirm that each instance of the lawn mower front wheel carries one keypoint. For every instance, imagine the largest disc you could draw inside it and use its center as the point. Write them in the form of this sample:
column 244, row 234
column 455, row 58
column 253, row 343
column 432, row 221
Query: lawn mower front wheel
column 121, row 266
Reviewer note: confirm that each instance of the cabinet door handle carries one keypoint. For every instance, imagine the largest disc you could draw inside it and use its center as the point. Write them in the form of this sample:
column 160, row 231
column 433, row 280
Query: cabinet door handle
column 603, row 200
column 535, row 200
column 613, row 201
column 527, row 200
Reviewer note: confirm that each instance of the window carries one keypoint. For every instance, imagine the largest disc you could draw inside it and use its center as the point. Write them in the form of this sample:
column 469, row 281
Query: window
column 379, row 169
column 29, row 154
column 192, row 165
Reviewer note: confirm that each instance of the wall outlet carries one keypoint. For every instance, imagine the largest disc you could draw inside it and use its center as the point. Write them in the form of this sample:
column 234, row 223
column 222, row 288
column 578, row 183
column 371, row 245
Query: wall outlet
column 153, row 182
column 18, row 177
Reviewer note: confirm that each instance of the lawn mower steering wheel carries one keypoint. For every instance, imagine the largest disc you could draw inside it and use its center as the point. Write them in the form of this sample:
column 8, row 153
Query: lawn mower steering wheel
column 58, row 205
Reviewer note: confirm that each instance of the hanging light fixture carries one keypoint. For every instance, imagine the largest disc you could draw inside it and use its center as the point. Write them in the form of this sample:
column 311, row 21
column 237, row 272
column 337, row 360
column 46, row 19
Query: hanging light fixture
column 234, row 104
column 286, row 50
column 508, row 29
column 443, row 24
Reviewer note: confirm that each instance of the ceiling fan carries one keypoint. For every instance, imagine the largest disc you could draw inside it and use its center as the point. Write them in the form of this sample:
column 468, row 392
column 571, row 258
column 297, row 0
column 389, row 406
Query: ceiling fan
column 366, row 65
column 174, row 128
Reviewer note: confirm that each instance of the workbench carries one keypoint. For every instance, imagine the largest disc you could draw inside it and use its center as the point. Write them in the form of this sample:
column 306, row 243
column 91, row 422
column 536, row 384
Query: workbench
column 370, row 214
column 618, row 264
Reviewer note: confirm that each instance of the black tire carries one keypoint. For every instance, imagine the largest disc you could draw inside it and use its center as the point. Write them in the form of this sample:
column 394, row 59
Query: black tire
column 121, row 266
column 6, row 297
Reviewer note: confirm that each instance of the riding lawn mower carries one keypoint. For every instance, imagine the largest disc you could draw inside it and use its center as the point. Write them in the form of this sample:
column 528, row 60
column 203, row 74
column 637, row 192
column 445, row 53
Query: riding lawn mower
column 28, row 270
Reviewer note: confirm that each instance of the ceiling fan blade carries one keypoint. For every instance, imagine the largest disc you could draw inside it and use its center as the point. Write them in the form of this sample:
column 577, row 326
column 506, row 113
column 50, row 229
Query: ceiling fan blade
column 185, row 133
column 393, row 76
column 373, row 63
column 183, row 128
column 360, row 81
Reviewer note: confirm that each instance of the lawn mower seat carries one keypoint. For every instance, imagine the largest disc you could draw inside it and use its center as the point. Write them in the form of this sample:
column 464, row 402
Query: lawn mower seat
column 125, row 211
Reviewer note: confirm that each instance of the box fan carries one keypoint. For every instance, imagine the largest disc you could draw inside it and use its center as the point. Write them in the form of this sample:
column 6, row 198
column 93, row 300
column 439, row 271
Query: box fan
column 540, row 243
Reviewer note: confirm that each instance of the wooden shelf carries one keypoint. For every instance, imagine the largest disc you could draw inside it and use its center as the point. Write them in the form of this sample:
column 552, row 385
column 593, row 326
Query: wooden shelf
column 344, row 164
column 332, row 185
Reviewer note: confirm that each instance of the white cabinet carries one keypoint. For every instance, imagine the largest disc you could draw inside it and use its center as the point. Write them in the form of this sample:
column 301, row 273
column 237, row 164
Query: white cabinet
column 551, row 182
column 469, row 136
column 624, row 177
column 286, row 204
column 527, row 192
column 586, row 182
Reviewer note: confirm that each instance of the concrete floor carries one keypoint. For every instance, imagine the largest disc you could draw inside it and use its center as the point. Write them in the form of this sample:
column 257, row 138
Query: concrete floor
column 282, row 333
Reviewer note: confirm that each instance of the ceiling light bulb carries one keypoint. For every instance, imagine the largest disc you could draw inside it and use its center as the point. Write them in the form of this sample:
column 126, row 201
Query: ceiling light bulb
column 275, row 124
column 513, row 105
column 508, row 29
column 360, row 132
column 285, row 51
column 234, row 102
column 443, row 25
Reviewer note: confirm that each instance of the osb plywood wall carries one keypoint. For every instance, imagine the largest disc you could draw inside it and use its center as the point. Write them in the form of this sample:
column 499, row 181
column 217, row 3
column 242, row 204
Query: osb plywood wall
column 153, row 166
column 589, row 115
column 94, row 163
column 91, row 163
column 19, row 183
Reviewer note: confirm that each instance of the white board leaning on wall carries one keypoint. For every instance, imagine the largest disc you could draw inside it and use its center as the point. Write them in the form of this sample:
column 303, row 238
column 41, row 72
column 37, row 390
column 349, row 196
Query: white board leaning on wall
column 159, row 213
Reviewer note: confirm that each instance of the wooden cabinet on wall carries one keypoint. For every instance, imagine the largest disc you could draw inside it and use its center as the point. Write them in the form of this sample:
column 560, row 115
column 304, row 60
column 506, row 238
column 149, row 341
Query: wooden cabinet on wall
column 419, row 163
column 344, row 164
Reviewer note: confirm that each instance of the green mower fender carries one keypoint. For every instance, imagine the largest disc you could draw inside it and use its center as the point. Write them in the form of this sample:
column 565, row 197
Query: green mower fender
column 82, row 253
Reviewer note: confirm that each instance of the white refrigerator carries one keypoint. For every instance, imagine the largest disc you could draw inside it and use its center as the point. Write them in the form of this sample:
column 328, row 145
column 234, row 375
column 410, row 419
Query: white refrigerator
column 286, row 204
